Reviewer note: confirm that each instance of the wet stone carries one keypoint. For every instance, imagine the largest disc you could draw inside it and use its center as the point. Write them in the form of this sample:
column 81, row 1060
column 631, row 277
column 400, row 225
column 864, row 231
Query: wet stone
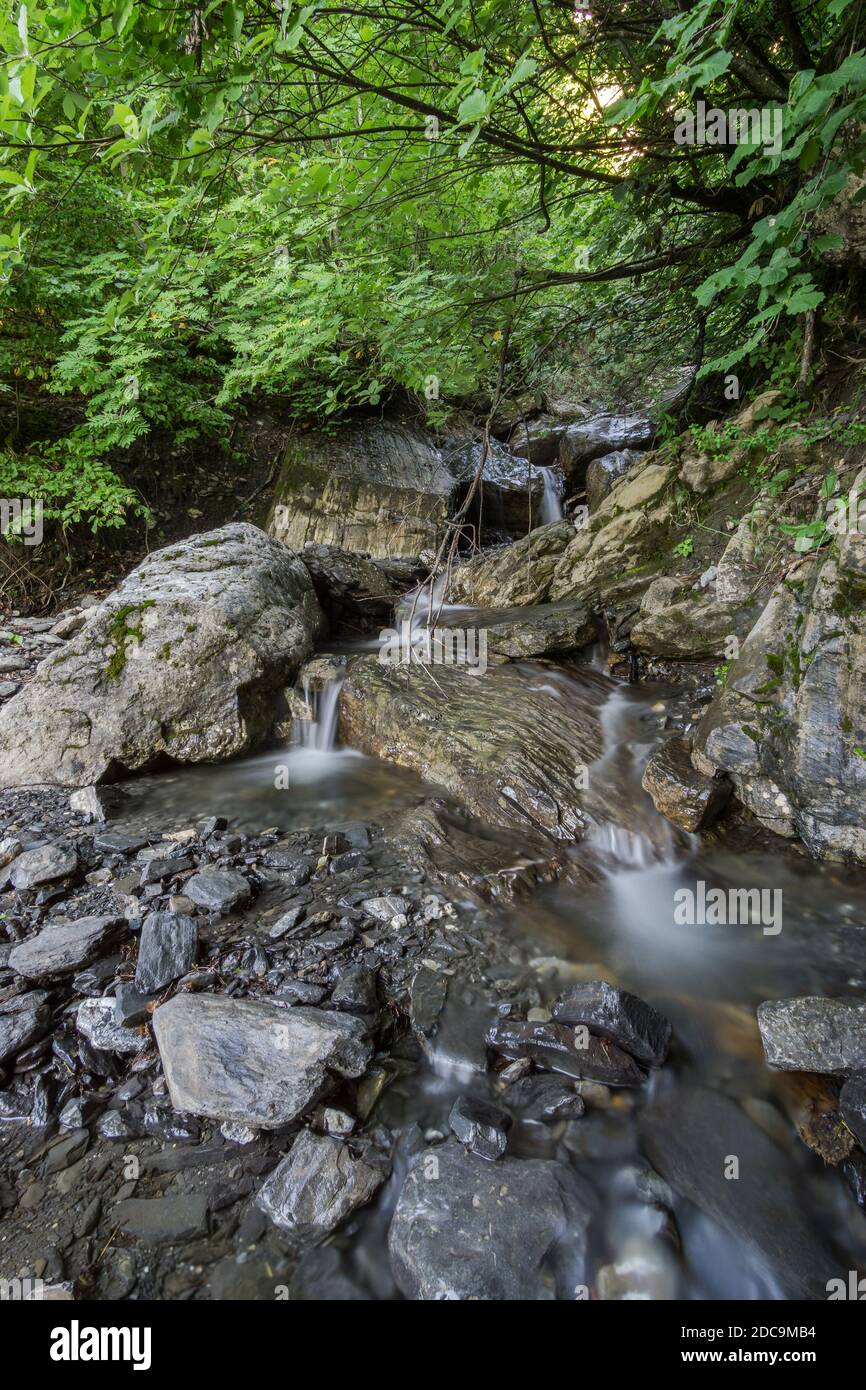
column 63, row 947
column 218, row 890
column 287, row 922
column 96, row 1020
column 852, row 1103
column 46, row 864
column 355, row 991
column 620, row 1017
column 316, row 1186
column 163, row 1220
column 167, row 950
column 130, row 1006
column 482, row 1127
column 23, row 1019
column 573, row 1052
column 683, row 795
column 814, row 1034
column 544, row 1100
column 155, row 870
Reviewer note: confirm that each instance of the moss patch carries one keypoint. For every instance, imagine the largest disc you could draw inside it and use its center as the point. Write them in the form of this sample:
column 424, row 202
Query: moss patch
column 121, row 632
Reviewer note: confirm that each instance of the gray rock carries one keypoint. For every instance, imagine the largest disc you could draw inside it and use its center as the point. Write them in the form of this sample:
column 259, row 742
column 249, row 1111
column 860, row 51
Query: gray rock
column 218, row 890
column 814, row 1034
column 130, row 1007
column 482, row 1127
column 602, row 434
column 355, row 991
column 64, row 947
column 167, row 950
column 852, row 1103
column 316, row 1186
column 689, row 1135
column 374, row 487
column 555, row 1047
column 517, row 574
column 183, row 660
column 602, row 473
column 46, row 864
column 163, row 1220
column 467, row 1229
column 349, row 587
column 98, row 803
column 23, row 1019
column 681, row 793
column 252, row 1062
column 383, row 909
column 620, row 1017
column 508, row 502
column 543, row 1099
column 287, row 922
column 157, row 868
column 96, row 1020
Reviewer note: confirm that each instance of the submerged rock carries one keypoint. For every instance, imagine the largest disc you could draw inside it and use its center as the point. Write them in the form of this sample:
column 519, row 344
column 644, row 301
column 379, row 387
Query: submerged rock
column 814, row 1034
column 374, row 487
column 183, row 660
column 575, row 1053
column 251, row 1062
column 316, row 1186
column 620, row 1017
column 63, row 947
column 543, row 1099
column 467, row 1229
column 680, row 792
column 163, row 1220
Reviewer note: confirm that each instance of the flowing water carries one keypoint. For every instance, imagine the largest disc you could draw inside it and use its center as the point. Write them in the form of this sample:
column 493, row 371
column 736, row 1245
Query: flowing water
column 621, row 925
column 551, row 500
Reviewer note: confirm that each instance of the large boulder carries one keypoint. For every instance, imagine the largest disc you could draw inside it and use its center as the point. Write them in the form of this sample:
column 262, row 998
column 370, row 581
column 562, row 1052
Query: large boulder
column 508, row 499
column 464, row 1228
column 790, row 726
column 183, row 660
column 508, row 748
column 601, row 434
column 374, row 487
column 352, row 589
column 603, row 472
column 517, row 574
column 814, row 1034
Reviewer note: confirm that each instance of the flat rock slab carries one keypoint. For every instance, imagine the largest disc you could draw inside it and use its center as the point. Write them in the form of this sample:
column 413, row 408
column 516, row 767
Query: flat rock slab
column 60, row 949
column 218, row 890
column 814, row 1034
column 620, row 1017
column 572, row 1052
column 680, row 793
column 316, row 1186
column 96, row 1019
column 163, row 1220
column 23, row 1019
column 167, row 950
column 251, row 1062
column 689, row 1136
column 464, row 1228
column 46, row 864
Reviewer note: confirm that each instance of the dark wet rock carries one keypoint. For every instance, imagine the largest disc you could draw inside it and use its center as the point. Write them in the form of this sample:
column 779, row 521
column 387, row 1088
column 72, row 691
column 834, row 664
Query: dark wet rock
column 130, row 1006
column 114, row 1127
column 602, row 473
column 92, row 981
column 690, row 1135
column 157, row 869
column 386, row 908
column 852, row 1103
column 218, row 890
column 506, row 747
column 120, row 841
column 47, row 864
column 316, row 1186
column 183, row 659
column 320, row 1276
column 23, row 1019
column 508, row 500
column 620, row 1017
column 467, row 1229
column 538, row 440
column 301, row 992
column 695, row 629
column 252, row 1062
column 515, row 633
column 481, row 1127
column 64, row 947
column 167, row 950
column 679, row 791
column 374, row 487
column 97, row 1021
column 427, row 995
column 351, row 589
column 814, row 1034
column 355, row 991
column 601, row 434
column 575, row 1053
column 287, row 922
column 543, row 1100
column 163, row 1220
column 295, row 868
column 516, row 575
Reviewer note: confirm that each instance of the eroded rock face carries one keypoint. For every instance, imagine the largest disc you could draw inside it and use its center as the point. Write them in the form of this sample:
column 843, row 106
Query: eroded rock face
column 680, row 793
column 183, row 660
column 519, row 574
column 465, row 1228
column 790, row 724
column 375, row 487
column 506, row 747
column 251, row 1062
column 697, row 629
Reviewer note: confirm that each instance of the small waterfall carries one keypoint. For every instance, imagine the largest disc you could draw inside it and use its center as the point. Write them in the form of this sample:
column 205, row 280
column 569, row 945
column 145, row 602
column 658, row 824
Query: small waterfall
column 319, row 733
column 551, row 500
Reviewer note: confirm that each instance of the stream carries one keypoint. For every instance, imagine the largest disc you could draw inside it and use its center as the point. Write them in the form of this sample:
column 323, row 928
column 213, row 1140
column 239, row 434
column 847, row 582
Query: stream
column 619, row 925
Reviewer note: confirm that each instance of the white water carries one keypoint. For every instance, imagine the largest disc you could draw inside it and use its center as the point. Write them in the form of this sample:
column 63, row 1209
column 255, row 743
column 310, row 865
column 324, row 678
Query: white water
column 319, row 734
column 551, row 501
